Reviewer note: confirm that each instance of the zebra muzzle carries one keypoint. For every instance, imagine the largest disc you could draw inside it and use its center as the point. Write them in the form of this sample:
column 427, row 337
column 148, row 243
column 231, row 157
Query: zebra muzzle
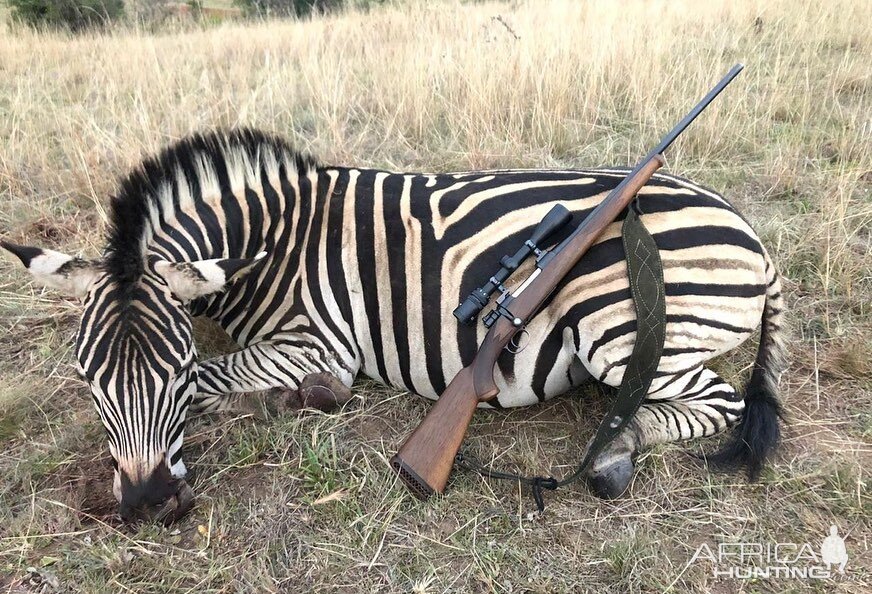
column 177, row 505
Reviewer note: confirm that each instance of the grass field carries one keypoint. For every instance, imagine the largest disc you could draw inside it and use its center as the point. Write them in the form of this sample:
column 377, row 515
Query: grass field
column 292, row 503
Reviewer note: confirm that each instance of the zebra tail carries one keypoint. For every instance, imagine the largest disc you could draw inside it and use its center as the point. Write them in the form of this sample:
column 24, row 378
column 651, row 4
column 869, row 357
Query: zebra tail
column 757, row 434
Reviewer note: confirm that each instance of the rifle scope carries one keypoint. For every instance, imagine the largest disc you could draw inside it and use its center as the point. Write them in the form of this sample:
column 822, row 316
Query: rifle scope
column 467, row 312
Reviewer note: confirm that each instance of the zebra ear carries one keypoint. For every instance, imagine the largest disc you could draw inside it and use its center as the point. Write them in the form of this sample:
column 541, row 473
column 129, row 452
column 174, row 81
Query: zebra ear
column 67, row 274
column 189, row 280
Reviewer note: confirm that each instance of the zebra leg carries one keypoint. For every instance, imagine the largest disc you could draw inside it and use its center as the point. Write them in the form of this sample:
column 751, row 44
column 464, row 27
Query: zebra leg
column 322, row 391
column 694, row 403
column 279, row 375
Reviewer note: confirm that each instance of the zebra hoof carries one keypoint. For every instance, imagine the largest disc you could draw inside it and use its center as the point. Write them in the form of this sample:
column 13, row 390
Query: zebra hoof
column 610, row 482
column 322, row 391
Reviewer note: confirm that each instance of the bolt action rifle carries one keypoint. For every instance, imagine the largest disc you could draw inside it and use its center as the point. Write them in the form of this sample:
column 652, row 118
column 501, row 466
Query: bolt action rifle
column 425, row 460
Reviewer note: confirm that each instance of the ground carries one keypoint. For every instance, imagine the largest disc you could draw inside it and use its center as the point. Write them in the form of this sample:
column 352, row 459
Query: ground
column 293, row 503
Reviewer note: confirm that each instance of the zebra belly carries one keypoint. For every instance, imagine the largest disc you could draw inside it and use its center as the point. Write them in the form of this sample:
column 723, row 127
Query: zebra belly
column 715, row 299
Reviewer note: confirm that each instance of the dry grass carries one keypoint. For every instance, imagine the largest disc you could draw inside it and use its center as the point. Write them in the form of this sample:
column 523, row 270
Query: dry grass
column 304, row 503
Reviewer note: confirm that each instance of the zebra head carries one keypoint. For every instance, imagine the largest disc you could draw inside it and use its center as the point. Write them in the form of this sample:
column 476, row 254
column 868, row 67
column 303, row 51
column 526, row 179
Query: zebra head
column 136, row 352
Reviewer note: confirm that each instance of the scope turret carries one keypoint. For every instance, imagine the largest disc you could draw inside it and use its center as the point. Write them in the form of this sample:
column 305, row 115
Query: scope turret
column 468, row 311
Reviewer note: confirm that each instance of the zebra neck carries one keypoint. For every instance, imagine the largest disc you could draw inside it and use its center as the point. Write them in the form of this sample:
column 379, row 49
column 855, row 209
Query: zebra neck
column 282, row 218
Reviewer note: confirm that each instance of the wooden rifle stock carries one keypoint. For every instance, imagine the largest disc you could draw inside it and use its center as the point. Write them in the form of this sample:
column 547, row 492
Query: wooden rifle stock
column 425, row 460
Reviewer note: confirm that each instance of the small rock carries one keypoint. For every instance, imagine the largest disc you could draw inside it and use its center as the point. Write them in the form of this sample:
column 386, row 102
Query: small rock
column 47, row 580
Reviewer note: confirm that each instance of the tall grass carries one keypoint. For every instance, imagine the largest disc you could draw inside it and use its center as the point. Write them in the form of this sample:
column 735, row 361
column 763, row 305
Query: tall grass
column 450, row 86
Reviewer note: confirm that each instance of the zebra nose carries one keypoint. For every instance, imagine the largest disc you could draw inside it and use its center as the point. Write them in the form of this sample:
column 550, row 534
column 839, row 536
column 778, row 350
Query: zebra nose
column 166, row 512
column 176, row 506
column 159, row 497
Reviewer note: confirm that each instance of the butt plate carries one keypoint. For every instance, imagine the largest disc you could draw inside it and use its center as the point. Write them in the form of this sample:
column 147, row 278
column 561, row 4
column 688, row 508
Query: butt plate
column 416, row 485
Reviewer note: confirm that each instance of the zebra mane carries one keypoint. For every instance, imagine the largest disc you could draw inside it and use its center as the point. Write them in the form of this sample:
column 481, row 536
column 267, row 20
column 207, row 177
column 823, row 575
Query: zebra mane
column 200, row 161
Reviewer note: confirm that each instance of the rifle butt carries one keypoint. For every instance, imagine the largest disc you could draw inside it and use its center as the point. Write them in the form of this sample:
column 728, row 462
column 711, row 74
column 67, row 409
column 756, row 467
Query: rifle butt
column 425, row 460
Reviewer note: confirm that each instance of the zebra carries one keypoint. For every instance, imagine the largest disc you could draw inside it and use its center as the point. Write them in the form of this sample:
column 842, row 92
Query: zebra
column 323, row 273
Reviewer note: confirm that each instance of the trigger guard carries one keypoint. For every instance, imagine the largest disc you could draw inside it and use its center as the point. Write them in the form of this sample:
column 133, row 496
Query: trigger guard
column 513, row 347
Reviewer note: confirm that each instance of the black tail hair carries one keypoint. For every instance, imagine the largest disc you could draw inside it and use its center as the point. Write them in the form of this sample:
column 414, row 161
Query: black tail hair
column 758, row 433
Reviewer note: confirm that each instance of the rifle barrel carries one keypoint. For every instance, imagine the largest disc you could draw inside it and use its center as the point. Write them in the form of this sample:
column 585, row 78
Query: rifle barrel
column 664, row 144
column 679, row 128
